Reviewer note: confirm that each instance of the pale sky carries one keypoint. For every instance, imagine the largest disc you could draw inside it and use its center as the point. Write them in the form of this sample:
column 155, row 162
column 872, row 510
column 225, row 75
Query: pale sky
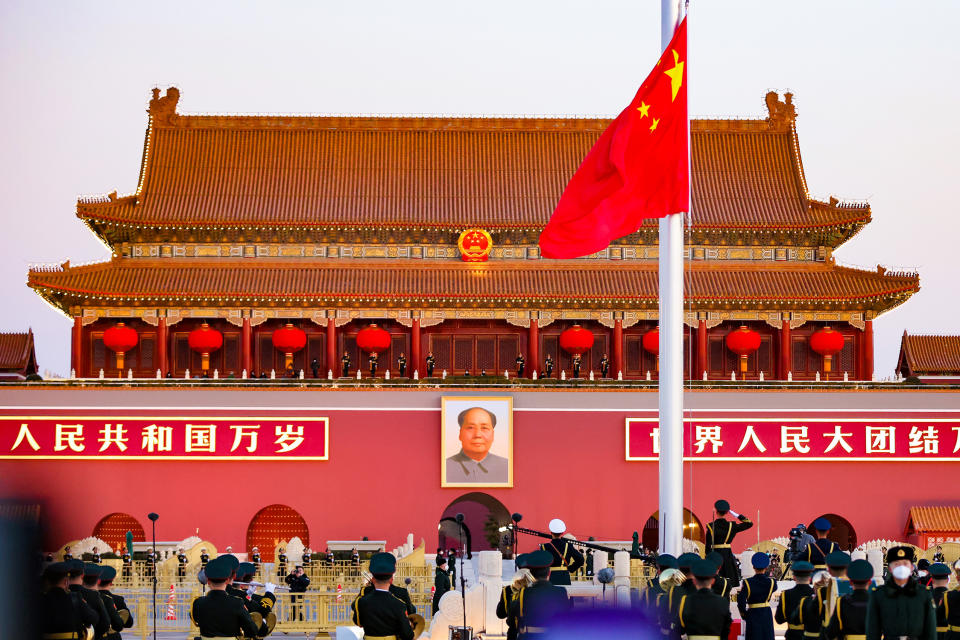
column 875, row 87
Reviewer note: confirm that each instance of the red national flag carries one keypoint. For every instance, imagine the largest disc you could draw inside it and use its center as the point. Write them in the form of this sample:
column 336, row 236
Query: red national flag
column 639, row 168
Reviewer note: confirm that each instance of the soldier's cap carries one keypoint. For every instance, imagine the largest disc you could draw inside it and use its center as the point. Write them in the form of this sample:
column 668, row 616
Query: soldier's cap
column 899, row 553
column 442, row 560
column 704, row 569
column 838, row 559
column 90, row 569
column 232, row 561
column 822, row 524
column 666, row 561
column 715, row 558
column 860, row 571
column 760, row 560
column 218, row 569
column 539, row 559
column 802, row 568
column 245, row 570
column 557, row 526
column 939, row 570
column 721, row 506
column 923, row 563
column 55, row 571
column 686, row 560
column 521, row 560
column 383, row 564
column 75, row 567
column 107, row 574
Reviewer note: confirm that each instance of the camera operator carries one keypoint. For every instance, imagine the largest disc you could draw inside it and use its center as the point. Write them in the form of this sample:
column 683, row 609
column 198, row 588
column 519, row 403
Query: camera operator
column 799, row 539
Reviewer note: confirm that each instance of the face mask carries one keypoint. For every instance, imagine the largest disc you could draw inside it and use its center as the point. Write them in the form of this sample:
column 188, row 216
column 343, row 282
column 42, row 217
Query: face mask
column 923, row 573
column 901, row 572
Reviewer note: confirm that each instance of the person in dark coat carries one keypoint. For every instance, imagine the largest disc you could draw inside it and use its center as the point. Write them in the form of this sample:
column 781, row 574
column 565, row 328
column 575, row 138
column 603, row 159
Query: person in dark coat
column 849, row 618
column 650, row 597
column 217, row 614
column 753, row 600
column 402, row 365
column 298, row 582
column 721, row 586
column 315, row 368
column 441, row 583
column 378, row 611
column 901, row 607
column 91, row 582
column 703, row 613
column 345, row 365
column 950, row 607
column 790, row 600
column 521, row 580
column 940, row 574
column 431, row 363
column 76, row 571
column 59, row 610
column 816, row 553
column 720, row 535
column 536, row 606
column 114, row 602
column 521, row 365
column 548, row 367
column 567, row 559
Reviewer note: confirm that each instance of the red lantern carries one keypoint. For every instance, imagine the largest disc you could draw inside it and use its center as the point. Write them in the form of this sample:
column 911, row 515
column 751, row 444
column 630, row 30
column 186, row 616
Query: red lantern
column 289, row 339
column 827, row 343
column 204, row 341
column 373, row 339
column 576, row 340
column 651, row 344
column 120, row 339
column 743, row 342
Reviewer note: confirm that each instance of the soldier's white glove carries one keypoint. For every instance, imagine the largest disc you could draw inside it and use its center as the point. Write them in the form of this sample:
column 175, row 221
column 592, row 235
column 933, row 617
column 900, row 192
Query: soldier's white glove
column 251, row 590
column 269, row 587
column 733, row 513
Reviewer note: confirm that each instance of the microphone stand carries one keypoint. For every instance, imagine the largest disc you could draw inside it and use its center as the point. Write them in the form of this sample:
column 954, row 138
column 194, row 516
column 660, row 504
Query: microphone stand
column 153, row 523
column 463, row 580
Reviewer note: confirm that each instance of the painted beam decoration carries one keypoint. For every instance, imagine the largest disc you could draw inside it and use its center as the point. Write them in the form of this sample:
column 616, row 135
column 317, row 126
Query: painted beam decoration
column 823, row 439
column 46, row 435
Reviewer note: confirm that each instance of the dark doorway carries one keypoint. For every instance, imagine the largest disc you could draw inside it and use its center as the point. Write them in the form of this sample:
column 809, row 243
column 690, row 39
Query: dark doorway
column 483, row 517
column 692, row 529
column 841, row 531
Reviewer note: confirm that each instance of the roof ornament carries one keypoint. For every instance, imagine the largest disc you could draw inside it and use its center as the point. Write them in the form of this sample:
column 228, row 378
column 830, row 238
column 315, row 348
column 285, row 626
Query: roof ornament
column 782, row 114
column 164, row 110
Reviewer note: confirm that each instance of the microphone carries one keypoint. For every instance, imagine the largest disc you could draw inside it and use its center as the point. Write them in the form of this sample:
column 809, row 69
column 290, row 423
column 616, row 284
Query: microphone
column 516, row 517
column 460, row 518
column 153, row 516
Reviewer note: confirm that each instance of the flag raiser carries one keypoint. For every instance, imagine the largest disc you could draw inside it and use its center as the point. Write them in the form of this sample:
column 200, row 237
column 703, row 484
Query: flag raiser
column 639, row 168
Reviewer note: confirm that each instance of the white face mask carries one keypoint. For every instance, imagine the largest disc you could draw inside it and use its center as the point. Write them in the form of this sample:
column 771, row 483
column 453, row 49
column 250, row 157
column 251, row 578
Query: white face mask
column 901, row 572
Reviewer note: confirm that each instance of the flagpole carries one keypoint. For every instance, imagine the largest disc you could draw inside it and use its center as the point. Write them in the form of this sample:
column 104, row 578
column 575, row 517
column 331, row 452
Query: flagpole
column 671, row 349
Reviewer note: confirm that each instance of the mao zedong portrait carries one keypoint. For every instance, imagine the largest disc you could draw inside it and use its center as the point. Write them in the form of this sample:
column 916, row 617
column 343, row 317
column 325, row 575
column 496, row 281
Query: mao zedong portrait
column 474, row 463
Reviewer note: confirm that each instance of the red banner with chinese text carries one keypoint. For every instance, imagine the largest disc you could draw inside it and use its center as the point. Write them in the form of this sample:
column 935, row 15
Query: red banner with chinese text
column 822, row 439
column 163, row 437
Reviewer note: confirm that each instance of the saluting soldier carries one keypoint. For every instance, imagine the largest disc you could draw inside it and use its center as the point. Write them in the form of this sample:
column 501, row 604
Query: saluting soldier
column 951, row 608
column 703, row 614
column 431, row 363
column 791, row 598
column 378, row 611
column 536, row 606
column 76, row 572
column 941, row 578
column 753, row 600
column 816, row 553
column 345, row 364
column 576, row 365
column 901, row 607
column 548, row 366
column 281, row 562
column 720, row 535
column 402, row 365
column 441, row 583
column 566, row 558
column 721, row 585
column 521, row 580
column 521, row 363
column 62, row 614
column 181, row 564
column 849, row 619
column 604, row 366
column 218, row 614
column 118, row 604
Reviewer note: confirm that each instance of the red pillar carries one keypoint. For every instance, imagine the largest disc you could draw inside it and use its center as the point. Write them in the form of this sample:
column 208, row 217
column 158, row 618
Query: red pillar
column 163, row 359
column 533, row 347
column 617, row 347
column 415, row 346
column 868, row 350
column 332, row 347
column 76, row 348
column 702, row 364
column 246, row 344
column 786, row 350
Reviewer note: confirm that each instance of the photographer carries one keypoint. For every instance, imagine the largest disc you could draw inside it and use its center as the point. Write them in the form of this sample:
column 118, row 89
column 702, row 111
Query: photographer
column 297, row 582
column 799, row 539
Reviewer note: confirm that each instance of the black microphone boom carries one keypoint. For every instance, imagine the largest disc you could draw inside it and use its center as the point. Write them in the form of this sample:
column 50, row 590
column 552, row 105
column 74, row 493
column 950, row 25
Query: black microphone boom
column 576, row 543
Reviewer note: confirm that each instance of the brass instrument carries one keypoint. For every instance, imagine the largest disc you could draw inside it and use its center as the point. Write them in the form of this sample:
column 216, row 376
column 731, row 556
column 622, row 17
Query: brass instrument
column 418, row 624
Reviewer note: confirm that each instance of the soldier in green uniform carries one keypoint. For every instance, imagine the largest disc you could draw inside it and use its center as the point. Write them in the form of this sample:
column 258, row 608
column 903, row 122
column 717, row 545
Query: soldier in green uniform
column 720, row 535
column 721, row 586
column 259, row 606
column 218, row 614
column 114, row 602
column 951, row 608
column 76, row 570
column 670, row 602
column 441, row 583
column 567, row 559
column 816, row 553
column 901, row 608
column 940, row 573
column 431, row 363
column 753, row 600
column 62, row 614
column 382, row 615
column 837, row 563
column 650, row 597
column 345, row 364
column 91, row 582
column 849, row 619
column 521, row 580
column 402, row 365
column 576, row 361
column 703, row 615
column 536, row 606
column 373, row 359
column 604, row 366
column 791, row 598
column 548, row 367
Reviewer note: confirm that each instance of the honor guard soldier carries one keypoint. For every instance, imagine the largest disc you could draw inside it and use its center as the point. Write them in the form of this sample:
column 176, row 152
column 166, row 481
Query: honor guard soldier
column 521, row 580
column 204, row 558
column 452, row 565
column 345, row 364
column 331, row 560
column 255, row 558
column 721, row 585
column 938, row 555
column 431, row 363
column 670, row 602
column 941, row 578
column 307, row 559
column 951, row 607
column 259, row 606
column 181, row 564
column 315, row 368
column 816, row 553
column 849, row 619
column 753, row 600
column 441, row 583
column 127, row 567
column 548, row 366
column 901, row 607
column 703, row 615
column 151, row 566
column 355, row 557
column 521, row 364
column 67, row 556
column 95, row 556
column 566, row 558
column 537, row 605
column 116, row 601
column 381, row 614
column 576, row 365
column 604, row 366
column 217, row 614
column 837, row 563
column 61, row 613
column 720, row 535
column 791, row 598
column 402, row 365
column 373, row 359
column 650, row 597
column 281, row 562
column 76, row 572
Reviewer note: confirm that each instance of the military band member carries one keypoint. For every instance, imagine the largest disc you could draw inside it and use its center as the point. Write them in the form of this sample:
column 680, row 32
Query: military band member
column 940, row 573
column 680, row 586
column 721, row 586
column 218, row 614
column 537, row 605
column 548, row 366
column 95, row 556
column 566, row 558
column 521, row 363
column 281, row 562
column 837, row 563
column 402, row 365
column 91, row 581
column 849, row 619
column 703, row 614
column 901, row 607
column 816, row 553
column 753, row 600
column 116, row 601
column 576, row 365
column 345, row 364
column 76, row 573
column 951, row 607
column 650, row 597
column 378, row 611
column 259, row 606
column 181, row 564
column 441, row 583
column 60, row 612
column 790, row 600
column 604, row 366
column 373, row 358
column 431, row 363
column 521, row 580
column 720, row 535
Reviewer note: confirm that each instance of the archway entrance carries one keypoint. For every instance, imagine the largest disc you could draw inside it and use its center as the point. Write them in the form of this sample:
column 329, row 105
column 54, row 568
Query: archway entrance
column 113, row 528
column 692, row 529
column 483, row 516
column 272, row 524
column 841, row 531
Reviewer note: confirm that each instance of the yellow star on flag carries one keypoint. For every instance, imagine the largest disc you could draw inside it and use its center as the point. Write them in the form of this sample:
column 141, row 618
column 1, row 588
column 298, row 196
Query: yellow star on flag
column 675, row 74
column 644, row 109
column 656, row 121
